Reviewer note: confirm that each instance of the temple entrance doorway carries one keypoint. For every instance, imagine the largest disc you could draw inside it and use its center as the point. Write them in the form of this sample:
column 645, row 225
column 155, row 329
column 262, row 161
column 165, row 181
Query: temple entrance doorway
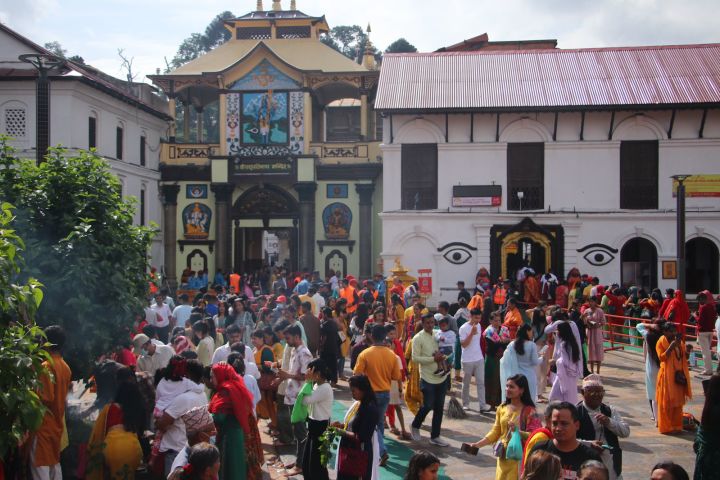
column 265, row 229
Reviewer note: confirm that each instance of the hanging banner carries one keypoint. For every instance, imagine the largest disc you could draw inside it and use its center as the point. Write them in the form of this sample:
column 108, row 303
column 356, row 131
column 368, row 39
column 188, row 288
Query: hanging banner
column 425, row 281
column 700, row 186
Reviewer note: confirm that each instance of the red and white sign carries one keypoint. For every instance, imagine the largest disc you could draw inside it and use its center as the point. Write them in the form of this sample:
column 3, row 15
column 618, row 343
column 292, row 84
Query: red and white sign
column 425, row 281
column 476, row 201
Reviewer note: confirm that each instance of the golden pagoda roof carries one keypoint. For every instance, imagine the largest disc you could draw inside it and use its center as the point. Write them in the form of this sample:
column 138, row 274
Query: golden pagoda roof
column 304, row 54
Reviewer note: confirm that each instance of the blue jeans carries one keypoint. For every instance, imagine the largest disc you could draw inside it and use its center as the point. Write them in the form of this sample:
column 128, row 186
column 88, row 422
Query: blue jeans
column 383, row 400
column 433, row 400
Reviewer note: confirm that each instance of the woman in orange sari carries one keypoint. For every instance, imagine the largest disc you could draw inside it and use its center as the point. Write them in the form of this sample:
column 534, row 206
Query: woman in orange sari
column 513, row 318
column 673, row 380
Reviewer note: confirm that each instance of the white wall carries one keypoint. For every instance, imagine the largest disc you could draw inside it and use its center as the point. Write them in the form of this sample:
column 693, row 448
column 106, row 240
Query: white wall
column 582, row 187
column 72, row 102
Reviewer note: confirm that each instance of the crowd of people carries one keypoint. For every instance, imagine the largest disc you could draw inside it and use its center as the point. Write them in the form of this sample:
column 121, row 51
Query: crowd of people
column 199, row 379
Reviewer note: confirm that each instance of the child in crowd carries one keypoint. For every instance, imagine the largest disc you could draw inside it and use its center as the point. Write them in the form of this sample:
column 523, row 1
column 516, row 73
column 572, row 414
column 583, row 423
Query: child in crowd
column 446, row 342
column 396, row 386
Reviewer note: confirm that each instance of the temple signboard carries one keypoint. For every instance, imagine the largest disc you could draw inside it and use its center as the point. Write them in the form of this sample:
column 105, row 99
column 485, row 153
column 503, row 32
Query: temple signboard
column 262, row 166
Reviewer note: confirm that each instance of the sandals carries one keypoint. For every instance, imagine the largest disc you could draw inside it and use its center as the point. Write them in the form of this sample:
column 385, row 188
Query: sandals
column 406, row 436
column 395, row 431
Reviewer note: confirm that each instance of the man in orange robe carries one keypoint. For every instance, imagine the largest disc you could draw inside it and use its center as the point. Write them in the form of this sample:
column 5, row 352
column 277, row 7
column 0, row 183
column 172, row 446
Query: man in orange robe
column 45, row 451
column 513, row 318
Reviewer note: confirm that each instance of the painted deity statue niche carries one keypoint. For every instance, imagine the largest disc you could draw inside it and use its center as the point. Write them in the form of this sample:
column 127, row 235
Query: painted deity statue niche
column 197, row 218
column 337, row 219
column 265, row 118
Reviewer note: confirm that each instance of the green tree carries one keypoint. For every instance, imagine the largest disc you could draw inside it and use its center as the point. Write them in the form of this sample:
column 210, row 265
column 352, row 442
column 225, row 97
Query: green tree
column 349, row 40
column 56, row 48
column 198, row 43
column 81, row 241
column 401, row 46
column 21, row 353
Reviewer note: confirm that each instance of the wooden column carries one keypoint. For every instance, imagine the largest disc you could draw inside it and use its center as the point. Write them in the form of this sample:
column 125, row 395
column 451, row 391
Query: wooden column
column 223, row 199
column 173, row 113
column 365, row 191
column 169, row 200
column 363, row 116
column 306, row 194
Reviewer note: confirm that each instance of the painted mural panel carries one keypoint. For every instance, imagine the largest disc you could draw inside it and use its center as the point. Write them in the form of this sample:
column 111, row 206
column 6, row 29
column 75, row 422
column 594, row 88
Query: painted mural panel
column 197, row 218
column 265, row 76
column 337, row 220
column 265, row 118
column 232, row 123
column 297, row 122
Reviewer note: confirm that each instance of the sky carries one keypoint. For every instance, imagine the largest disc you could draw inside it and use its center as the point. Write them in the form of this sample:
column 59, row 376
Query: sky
column 151, row 30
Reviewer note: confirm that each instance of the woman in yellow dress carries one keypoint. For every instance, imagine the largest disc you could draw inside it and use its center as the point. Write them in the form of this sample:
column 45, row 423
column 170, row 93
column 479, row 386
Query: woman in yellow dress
column 343, row 325
column 413, row 394
column 114, row 447
column 518, row 411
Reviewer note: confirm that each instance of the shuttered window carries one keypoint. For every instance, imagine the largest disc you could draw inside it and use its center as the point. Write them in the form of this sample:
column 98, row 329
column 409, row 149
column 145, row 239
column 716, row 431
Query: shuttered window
column 526, row 174
column 119, row 143
column 142, row 151
column 92, row 132
column 419, row 177
column 639, row 175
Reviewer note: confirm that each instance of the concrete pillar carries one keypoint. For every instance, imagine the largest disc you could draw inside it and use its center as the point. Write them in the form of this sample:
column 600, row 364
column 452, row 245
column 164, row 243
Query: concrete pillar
column 306, row 193
column 169, row 199
column 223, row 222
column 365, row 191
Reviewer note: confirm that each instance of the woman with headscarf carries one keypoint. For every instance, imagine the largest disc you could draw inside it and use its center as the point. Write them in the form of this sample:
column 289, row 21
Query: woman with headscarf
column 231, row 408
column 567, row 358
column 673, row 381
column 678, row 312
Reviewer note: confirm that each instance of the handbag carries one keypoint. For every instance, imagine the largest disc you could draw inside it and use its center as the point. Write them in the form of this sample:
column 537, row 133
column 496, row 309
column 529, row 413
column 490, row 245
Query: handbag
column 352, row 462
column 499, row 450
column 514, row 449
column 680, row 378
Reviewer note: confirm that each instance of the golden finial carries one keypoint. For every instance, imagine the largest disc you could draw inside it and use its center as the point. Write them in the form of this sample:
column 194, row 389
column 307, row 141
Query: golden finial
column 369, row 29
column 293, row 5
column 259, row 7
column 276, row 5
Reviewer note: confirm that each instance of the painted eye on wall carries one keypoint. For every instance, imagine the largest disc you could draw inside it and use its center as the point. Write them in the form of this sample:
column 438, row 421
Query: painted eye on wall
column 458, row 256
column 457, row 252
column 598, row 254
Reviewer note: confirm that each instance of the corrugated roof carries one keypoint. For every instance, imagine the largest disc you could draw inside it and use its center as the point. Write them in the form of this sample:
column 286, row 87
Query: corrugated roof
column 677, row 74
column 306, row 54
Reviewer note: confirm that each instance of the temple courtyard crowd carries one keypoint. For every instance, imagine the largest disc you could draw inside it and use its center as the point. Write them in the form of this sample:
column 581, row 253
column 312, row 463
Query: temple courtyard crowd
column 187, row 394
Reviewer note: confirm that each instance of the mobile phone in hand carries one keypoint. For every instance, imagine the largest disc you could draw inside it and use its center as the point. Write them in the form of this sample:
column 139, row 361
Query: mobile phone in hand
column 467, row 448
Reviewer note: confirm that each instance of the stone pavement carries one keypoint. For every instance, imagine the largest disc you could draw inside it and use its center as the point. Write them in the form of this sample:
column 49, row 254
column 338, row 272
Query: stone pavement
column 624, row 377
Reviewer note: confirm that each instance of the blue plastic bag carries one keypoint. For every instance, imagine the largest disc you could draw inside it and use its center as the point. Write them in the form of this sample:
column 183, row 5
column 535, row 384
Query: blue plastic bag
column 515, row 447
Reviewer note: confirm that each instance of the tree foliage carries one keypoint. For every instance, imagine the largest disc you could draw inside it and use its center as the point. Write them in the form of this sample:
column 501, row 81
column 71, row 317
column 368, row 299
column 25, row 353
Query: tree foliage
column 198, row 43
column 350, row 40
column 21, row 353
column 401, row 46
column 56, row 48
column 81, row 242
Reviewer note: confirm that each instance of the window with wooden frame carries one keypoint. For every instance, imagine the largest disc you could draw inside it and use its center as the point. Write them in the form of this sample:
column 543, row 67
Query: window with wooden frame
column 525, row 176
column 639, row 175
column 419, row 177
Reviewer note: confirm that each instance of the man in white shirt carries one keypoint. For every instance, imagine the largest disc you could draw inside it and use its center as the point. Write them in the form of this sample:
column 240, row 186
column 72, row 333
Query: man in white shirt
column 295, row 375
column 318, row 299
column 174, row 436
column 223, row 352
column 182, row 312
column 163, row 322
column 152, row 357
column 473, row 361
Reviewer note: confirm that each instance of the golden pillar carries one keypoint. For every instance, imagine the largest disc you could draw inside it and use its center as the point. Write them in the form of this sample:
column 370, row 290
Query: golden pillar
column 308, row 121
column 173, row 126
column 222, row 122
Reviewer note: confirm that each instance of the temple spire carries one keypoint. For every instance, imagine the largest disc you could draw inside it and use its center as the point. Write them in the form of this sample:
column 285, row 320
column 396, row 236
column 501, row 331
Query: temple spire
column 293, row 5
column 276, row 6
column 369, row 56
column 259, row 7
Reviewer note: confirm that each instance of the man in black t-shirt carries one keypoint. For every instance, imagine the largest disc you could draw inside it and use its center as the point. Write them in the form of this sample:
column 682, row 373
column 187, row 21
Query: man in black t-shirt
column 565, row 423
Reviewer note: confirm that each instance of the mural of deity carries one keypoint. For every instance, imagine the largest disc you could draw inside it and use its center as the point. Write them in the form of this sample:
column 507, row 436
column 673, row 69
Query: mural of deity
column 337, row 219
column 196, row 220
column 265, row 118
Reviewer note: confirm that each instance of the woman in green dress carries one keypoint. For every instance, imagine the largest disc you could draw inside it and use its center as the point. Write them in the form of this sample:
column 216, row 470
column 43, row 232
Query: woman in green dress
column 231, row 410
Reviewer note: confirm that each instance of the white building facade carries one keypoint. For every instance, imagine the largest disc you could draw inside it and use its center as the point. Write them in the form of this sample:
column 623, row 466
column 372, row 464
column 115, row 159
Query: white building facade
column 492, row 159
column 89, row 111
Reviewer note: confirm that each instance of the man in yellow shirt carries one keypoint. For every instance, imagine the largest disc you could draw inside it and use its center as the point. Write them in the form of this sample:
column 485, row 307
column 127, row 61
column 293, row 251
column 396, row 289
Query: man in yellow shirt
column 379, row 364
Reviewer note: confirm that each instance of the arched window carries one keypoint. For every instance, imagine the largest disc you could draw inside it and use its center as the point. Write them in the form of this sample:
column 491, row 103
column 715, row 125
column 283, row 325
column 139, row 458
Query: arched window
column 638, row 258
column 701, row 265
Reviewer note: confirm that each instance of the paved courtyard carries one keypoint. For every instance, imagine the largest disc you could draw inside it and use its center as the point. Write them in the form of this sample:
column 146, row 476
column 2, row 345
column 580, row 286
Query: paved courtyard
column 623, row 373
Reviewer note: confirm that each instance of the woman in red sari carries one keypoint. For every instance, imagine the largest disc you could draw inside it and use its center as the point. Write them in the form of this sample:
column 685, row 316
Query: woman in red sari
column 231, row 408
column 678, row 312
